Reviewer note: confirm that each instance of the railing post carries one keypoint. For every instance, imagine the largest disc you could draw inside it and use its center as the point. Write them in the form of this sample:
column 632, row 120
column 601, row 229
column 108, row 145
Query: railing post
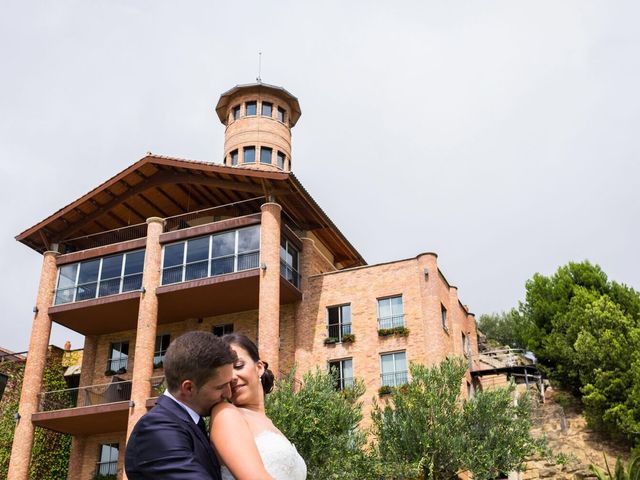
column 34, row 371
column 147, row 323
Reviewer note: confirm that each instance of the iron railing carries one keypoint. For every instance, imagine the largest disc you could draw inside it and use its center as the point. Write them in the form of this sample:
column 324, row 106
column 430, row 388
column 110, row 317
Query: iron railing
column 106, row 470
column 391, row 322
column 208, row 215
column 118, row 391
column 394, row 379
column 289, row 273
column 131, row 232
column 339, row 330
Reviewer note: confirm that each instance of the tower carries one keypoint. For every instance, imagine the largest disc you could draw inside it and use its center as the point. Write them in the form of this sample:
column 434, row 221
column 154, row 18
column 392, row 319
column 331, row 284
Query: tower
column 258, row 120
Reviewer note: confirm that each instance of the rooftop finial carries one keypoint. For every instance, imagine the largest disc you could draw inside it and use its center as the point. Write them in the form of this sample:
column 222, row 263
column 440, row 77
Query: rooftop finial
column 258, row 79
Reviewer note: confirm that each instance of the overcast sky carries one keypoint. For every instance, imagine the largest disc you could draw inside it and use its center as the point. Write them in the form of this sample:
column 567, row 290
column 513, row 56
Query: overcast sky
column 502, row 135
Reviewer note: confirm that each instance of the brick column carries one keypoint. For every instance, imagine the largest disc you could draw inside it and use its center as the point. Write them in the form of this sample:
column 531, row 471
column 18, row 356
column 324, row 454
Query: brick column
column 269, row 297
column 34, row 370
column 147, row 324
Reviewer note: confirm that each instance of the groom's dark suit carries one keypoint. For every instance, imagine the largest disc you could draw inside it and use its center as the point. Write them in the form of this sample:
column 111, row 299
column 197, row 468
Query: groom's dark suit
column 167, row 444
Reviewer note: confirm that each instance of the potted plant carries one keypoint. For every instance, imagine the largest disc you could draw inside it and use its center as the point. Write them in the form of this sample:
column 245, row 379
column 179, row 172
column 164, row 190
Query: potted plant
column 385, row 390
column 348, row 338
column 330, row 340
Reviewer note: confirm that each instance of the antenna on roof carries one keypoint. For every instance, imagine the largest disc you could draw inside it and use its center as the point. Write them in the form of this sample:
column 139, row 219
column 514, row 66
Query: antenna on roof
column 258, row 79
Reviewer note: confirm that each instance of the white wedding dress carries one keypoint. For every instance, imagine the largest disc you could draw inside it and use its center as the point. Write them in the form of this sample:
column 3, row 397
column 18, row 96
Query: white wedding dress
column 280, row 458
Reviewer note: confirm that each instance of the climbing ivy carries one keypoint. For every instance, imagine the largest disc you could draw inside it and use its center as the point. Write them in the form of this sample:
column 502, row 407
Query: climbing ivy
column 50, row 454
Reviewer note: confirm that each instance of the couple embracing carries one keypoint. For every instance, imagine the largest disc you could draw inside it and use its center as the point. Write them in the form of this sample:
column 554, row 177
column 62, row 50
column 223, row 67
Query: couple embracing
column 203, row 374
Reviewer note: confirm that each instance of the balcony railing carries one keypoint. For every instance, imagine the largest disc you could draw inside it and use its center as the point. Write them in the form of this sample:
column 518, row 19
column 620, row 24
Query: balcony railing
column 213, row 214
column 118, row 235
column 394, row 379
column 118, row 391
column 344, row 382
column 210, row 268
column 106, row 470
column 339, row 330
column 289, row 273
column 391, row 322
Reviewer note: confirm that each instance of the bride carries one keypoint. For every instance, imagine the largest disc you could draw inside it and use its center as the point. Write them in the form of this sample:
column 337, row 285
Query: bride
column 248, row 444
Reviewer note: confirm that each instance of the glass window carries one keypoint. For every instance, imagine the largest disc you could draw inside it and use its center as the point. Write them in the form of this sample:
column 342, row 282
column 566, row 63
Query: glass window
column 65, row 292
column 267, row 108
column 224, row 247
column 250, row 108
column 220, row 330
column 248, row 248
column 88, row 280
column 197, row 258
column 107, row 465
column 162, row 343
column 249, row 155
column 280, row 159
column 265, row 155
column 339, row 321
column 133, row 266
column 236, row 112
column 281, row 114
column 343, row 369
column 110, row 275
column 393, row 369
column 172, row 263
column 466, row 345
column 443, row 313
column 118, row 358
column 289, row 262
column 390, row 312
column 234, row 158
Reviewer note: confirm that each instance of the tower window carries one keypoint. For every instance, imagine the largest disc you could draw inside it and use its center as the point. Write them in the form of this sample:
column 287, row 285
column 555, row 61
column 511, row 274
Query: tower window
column 281, row 114
column 234, row 157
column 265, row 155
column 249, row 154
column 250, row 108
column 236, row 112
column 267, row 109
column 281, row 160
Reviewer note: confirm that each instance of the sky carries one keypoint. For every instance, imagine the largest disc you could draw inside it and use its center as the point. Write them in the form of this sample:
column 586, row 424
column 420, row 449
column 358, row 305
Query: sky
column 503, row 135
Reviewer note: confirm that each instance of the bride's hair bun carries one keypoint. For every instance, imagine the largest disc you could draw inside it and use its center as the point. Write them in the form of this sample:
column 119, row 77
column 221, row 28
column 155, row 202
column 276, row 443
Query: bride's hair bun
column 267, row 379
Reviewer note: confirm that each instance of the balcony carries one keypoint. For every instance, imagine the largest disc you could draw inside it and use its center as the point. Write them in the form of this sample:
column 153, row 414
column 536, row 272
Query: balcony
column 393, row 321
column 85, row 410
column 394, row 379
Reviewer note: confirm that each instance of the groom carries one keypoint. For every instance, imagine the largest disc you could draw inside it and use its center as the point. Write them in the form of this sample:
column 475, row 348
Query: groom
column 171, row 442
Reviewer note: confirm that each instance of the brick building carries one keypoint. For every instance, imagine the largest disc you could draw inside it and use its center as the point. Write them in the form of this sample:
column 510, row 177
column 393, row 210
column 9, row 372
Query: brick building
column 171, row 245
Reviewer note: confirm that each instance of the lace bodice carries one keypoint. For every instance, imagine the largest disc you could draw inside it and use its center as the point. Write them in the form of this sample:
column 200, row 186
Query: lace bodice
column 280, row 458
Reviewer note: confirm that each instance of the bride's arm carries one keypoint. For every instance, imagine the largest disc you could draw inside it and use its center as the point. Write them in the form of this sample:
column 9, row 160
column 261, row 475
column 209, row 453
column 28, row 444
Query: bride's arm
column 235, row 444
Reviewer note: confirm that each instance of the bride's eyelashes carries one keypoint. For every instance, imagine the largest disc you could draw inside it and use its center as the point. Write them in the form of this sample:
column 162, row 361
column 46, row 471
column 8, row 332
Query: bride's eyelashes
column 238, row 366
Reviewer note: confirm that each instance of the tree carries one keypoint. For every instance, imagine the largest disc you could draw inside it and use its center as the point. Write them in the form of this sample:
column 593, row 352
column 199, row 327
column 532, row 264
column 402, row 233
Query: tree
column 585, row 331
column 427, row 431
column 506, row 328
column 323, row 425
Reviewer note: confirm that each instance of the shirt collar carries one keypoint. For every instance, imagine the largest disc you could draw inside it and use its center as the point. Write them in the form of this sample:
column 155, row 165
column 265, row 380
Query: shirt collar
column 195, row 417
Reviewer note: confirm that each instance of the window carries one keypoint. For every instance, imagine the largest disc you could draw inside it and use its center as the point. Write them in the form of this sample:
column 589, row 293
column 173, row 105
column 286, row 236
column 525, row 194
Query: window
column 443, row 313
column 466, row 345
column 289, row 262
column 234, row 158
column 118, row 357
column 339, row 320
column 393, row 369
column 236, row 112
column 343, row 369
column 390, row 312
column 162, row 343
column 211, row 255
column 267, row 109
column 249, row 155
column 220, row 330
column 99, row 277
column 107, row 463
column 280, row 160
column 281, row 114
column 265, row 155
column 250, row 108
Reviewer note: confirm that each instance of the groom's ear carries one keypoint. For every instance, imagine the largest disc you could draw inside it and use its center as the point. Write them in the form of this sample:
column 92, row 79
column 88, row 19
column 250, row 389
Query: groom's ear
column 187, row 388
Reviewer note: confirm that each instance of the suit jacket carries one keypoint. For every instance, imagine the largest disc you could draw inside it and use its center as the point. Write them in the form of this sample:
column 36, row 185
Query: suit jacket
column 166, row 444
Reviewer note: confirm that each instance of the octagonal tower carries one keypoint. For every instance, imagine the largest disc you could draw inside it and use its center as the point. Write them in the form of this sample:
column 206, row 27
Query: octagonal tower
column 258, row 120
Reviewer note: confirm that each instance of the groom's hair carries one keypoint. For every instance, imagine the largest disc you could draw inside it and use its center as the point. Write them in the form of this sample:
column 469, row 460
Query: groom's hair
column 195, row 356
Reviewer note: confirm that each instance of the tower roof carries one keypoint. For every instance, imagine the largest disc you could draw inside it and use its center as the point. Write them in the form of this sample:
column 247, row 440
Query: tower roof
column 223, row 103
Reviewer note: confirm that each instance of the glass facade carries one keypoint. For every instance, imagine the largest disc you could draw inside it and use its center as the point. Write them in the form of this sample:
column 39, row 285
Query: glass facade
column 289, row 258
column 217, row 254
column 99, row 277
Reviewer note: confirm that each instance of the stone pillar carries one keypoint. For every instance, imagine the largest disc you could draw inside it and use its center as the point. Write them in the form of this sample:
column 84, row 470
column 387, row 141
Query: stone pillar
column 147, row 324
column 88, row 367
column 269, row 297
column 34, row 370
column 76, row 456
